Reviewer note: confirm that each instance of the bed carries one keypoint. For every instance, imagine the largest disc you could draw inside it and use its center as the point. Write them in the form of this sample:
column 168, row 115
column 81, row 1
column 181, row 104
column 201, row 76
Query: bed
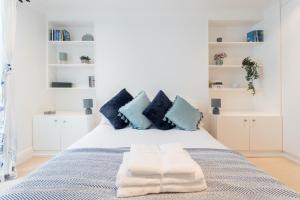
column 87, row 169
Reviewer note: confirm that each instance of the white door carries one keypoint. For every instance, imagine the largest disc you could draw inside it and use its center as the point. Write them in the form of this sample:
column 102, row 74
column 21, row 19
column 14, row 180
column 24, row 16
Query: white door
column 46, row 134
column 233, row 132
column 266, row 133
column 72, row 130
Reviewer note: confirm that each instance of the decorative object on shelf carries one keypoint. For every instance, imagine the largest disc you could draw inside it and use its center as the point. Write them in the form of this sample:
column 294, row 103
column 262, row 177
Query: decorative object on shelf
column 88, row 104
column 255, row 36
column 50, row 112
column 216, row 84
column 21, row 1
column 61, row 85
column 63, row 57
column 59, row 35
column 85, row 59
column 91, row 81
column 251, row 68
column 216, row 104
column 219, row 39
column 219, row 57
column 87, row 37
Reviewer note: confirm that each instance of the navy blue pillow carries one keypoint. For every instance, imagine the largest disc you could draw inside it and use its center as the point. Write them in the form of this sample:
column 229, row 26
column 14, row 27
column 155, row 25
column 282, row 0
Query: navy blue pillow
column 111, row 109
column 157, row 109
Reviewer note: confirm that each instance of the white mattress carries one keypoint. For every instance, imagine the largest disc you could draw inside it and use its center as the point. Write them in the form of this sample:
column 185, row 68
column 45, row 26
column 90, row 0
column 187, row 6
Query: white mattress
column 105, row 136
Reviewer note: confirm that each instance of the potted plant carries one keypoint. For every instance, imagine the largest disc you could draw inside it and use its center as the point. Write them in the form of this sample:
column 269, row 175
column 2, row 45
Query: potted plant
column 85, row 59
column 219, row 58
column 251, row 67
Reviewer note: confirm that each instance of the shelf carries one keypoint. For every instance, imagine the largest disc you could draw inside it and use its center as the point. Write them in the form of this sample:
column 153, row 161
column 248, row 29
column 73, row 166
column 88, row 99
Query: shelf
column 72, row 43
column 231, row 89
column 73, row 88
column 247, row 113
column 71, row 65
column 243, row 44
column 233, row 23
column 228, row 89
column 225, row 66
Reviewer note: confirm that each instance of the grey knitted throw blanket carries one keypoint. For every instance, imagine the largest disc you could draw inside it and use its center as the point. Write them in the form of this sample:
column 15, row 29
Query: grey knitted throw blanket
column 89, row 174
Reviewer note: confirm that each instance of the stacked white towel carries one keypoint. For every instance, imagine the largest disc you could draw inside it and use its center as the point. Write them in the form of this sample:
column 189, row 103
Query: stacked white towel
column 152, row 169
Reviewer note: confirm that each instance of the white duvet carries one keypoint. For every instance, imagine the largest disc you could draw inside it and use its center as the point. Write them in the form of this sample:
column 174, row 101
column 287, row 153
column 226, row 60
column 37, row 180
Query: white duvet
column 105, row 136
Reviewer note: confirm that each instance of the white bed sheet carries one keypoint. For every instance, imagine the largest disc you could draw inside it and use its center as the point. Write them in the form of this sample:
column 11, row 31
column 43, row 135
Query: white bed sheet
column 105, row 136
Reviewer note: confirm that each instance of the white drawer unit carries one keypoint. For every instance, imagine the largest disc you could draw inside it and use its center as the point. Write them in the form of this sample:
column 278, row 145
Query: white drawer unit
column 58, row 132
column 253, row 132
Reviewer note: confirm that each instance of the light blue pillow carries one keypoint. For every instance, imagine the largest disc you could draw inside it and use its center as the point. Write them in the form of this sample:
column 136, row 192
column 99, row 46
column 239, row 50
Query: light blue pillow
column 183, row 115
column 133, row 112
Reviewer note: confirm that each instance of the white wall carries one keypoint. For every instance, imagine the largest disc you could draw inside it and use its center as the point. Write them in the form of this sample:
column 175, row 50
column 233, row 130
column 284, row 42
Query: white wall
column 291, row 71
column 269, row 99
column 153, row 45
column 152, row 53
column 30, row 95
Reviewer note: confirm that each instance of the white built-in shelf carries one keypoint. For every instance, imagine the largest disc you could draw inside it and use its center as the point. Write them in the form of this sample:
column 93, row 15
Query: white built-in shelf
column 228, row 89
column 74, row 43
column 233, row 23
column 72, row 65
column 231, row 89
column 73, row 88
column 225, row 66
column 242, row 44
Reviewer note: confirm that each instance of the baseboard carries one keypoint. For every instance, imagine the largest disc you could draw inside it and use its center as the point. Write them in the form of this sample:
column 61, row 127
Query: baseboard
column 24, row 155
column 258, row 154
column 45, row 153
column 292, row 157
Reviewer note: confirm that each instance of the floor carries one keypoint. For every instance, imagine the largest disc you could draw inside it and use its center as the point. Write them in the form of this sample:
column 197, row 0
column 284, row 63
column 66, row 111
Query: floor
column 286, row 171
column 283, row 169
column 29, row 166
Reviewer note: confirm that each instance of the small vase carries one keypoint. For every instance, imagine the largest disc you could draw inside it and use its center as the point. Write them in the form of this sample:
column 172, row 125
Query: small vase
column 219, row 62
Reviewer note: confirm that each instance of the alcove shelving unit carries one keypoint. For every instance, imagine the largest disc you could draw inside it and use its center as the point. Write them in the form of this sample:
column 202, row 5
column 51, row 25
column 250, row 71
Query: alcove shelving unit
column 73, row 71
column 231, row 74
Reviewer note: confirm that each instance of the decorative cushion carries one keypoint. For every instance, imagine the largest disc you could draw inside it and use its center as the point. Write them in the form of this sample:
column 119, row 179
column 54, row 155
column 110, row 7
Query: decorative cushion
column 111, row 109
column 157, row 109
column 133, row 111
column 183, row 115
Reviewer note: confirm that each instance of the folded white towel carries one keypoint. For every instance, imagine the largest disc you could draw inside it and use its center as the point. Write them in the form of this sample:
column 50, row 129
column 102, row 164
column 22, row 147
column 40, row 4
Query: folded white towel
column 124, row 192
column 126, row 179
column 170, row 148
column 157, row 160
column 158, row 169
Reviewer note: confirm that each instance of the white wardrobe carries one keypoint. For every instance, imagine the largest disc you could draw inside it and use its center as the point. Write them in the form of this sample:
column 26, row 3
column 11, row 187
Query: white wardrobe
column 290, row 30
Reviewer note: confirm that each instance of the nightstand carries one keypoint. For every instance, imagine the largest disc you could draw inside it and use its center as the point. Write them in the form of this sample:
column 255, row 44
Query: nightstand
column 53, row 133
column 248, row 131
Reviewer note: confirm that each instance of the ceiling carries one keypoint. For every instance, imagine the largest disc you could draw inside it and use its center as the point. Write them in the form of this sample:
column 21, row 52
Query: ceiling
column 107, row 5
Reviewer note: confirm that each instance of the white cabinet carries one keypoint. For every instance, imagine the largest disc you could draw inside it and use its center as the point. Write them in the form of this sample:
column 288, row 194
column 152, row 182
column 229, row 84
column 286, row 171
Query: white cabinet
column 234, row 132
column 248, row 131
column 57, row 132
column 266, row 133
column 46, row 134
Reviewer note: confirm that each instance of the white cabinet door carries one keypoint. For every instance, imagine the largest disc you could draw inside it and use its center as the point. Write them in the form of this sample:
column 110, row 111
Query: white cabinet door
column 46, row 134
column 233, row 132
column 73, row 128
column 266, row 133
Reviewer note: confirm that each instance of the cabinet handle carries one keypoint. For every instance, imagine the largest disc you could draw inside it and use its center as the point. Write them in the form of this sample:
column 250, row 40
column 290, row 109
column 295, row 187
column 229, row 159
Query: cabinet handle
column 253, row 120
column 245, row 120
column 55, row 120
